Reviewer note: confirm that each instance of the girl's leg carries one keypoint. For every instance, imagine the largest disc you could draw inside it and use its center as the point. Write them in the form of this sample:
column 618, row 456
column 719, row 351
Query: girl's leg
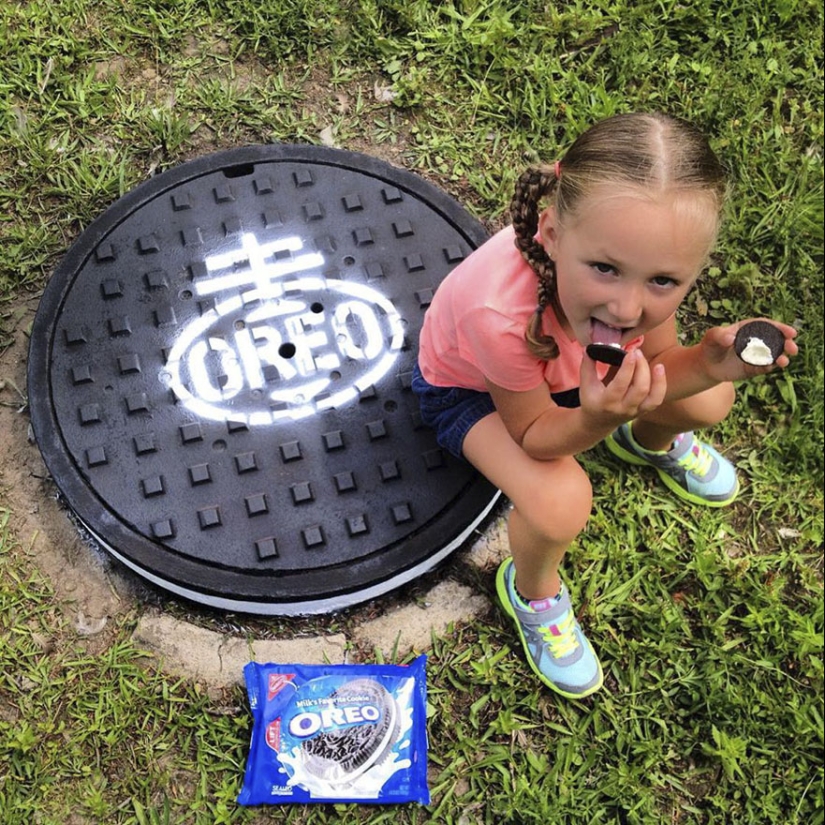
column 551, row 503
column 656, row 430
column 692, row 469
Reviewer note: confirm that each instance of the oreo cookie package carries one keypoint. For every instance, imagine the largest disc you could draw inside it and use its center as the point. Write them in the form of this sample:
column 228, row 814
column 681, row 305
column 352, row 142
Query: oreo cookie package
column 337, row 733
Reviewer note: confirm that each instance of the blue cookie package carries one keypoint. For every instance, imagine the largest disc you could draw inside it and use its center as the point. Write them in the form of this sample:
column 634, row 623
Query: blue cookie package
column 337, row 733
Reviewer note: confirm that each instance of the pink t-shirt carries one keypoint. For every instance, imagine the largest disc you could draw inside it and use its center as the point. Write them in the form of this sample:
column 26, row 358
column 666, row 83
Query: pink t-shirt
column 475, row 326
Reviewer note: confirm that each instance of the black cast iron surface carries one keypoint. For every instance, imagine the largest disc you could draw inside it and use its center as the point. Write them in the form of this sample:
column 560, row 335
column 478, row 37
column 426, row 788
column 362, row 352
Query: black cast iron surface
column 219, row 380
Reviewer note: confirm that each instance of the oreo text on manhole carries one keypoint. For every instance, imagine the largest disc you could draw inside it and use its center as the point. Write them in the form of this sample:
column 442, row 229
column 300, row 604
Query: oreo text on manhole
column 219, row 378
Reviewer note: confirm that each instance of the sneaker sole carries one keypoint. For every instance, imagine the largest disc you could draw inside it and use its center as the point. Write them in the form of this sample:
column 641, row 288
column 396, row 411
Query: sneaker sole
column 667, row 480
column 504, row 599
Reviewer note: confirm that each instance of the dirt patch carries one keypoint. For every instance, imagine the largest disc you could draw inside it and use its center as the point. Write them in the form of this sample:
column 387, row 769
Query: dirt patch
column 89, row 592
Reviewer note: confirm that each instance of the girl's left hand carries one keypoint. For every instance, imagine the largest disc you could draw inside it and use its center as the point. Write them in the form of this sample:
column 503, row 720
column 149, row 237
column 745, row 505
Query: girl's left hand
column 723, row 364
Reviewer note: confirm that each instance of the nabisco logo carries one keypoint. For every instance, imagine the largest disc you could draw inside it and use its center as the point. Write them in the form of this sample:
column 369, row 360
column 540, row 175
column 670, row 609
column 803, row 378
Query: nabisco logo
column 273, row 344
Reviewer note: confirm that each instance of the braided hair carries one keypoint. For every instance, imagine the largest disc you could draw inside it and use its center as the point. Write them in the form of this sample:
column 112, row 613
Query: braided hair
column 652, row 152
column 533, row 186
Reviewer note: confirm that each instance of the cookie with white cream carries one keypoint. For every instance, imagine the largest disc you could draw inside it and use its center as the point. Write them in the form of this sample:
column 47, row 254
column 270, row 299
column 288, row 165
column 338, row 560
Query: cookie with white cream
column 759, row 343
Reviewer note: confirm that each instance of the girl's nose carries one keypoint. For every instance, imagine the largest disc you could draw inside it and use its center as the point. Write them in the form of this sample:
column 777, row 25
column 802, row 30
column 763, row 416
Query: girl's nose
column 626, row 306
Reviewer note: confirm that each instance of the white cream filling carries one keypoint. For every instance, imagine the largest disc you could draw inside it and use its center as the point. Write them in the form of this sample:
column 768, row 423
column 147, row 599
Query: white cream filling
column 757, row 353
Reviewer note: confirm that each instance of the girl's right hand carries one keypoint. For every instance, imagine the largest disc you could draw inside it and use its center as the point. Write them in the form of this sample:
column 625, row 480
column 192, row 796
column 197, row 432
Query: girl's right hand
column 628, row 391
column 721, row 362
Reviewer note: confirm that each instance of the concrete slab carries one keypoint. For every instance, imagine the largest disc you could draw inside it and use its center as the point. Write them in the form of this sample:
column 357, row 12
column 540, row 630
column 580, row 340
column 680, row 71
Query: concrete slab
column 492, row 546
column 411, row 628
column 218, row 660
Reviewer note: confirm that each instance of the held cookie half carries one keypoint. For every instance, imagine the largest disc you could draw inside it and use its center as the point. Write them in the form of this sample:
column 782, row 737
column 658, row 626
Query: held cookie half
column 759, row 343
column 611, row 354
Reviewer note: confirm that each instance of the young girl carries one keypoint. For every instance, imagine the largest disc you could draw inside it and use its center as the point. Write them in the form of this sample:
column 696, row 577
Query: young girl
column 632, row 213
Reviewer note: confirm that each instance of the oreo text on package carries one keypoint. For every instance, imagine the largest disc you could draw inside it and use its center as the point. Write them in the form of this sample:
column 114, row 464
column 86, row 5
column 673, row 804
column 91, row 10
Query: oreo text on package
column 337, row 733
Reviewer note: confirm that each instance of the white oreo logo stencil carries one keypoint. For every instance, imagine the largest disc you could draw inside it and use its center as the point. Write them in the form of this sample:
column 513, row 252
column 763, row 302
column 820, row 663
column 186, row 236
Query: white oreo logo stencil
column 282, row 338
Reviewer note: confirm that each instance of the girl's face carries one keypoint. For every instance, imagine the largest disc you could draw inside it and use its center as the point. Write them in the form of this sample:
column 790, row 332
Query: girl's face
column 624, row 262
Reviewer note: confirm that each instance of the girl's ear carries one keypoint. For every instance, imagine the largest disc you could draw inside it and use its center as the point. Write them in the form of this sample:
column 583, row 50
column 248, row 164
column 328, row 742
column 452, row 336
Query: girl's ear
column 548, row 230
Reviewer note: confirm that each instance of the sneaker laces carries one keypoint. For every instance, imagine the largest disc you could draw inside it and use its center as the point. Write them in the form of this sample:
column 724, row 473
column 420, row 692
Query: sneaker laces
column 696, row 460
column 561, row 638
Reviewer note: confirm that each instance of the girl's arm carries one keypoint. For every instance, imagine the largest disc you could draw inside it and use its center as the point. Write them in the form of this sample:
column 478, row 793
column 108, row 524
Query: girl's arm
column 691, row 370
column 546, row 431
column 662, row 370
column 542, row 428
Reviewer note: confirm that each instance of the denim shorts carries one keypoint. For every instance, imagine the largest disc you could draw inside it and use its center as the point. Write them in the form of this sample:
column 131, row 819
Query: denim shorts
column 450, row 411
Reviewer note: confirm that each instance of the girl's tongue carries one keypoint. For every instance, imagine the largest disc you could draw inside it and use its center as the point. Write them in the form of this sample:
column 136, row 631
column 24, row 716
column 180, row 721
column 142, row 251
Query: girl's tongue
column 603, row 334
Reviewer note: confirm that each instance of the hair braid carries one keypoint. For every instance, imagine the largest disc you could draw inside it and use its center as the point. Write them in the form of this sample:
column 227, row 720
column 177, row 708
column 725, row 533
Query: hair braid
column 535, row 184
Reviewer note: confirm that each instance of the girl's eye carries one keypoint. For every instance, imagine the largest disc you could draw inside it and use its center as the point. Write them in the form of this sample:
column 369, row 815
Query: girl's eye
column 664, row 280
column 605, row 269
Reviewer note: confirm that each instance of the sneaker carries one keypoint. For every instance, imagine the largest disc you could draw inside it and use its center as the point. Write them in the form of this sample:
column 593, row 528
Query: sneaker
column 556, row 648
column 691, row 469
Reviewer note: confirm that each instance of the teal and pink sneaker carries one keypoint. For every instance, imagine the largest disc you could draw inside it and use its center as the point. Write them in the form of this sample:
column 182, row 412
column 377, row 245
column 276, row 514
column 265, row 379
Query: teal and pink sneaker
column 691, row 469
column 556, row 648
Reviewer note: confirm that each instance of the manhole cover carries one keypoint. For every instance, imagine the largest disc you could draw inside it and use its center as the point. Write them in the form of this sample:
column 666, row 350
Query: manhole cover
column 219, row 380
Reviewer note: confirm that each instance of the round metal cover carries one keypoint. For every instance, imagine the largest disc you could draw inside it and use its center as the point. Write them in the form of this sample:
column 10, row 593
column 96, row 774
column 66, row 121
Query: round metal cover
column 219, row 380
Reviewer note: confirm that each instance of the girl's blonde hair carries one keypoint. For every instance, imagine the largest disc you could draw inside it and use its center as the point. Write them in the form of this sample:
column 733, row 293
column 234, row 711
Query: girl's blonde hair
column 637, row 151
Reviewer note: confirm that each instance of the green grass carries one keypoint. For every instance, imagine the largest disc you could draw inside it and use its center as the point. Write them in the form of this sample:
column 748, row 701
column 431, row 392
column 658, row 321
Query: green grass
column 709, row 623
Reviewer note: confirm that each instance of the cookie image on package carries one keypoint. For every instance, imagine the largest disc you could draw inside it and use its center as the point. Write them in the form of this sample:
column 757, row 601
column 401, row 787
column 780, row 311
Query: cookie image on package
column 759, row 343
column 371, row 721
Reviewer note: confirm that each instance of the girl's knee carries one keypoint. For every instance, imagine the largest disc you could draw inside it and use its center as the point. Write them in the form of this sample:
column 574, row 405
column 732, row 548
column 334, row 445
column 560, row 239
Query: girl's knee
column 727, row 393
column 713, row 405
column 560, row 507
column 698, row 411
